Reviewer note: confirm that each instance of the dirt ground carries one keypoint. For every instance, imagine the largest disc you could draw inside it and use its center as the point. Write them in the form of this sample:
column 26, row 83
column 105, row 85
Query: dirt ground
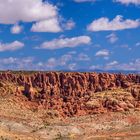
column 19, row 120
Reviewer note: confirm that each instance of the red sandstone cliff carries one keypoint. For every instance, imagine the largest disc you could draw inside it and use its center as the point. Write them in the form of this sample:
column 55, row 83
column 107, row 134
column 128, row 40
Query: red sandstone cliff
column 70, row 93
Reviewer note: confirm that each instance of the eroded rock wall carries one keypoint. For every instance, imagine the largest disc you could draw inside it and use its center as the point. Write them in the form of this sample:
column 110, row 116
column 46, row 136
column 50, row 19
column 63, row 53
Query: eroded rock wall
column 72, row 81
column 69, row 92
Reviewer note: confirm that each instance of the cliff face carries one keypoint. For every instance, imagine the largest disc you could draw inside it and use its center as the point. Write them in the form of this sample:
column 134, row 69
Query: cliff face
column 72, row 81
column 71, row 93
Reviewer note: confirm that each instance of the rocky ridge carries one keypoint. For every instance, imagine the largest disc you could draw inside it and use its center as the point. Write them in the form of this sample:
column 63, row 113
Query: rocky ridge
column 75, row 94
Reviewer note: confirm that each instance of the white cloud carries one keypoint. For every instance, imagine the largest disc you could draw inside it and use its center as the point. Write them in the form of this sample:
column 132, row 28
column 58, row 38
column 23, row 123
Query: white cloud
column 44, row 14
column 30, row 63
column 112, row 38
column 135, row 65
column 103, row 53
column 64, row 59
column 118, row 23
column 13, row 63
column 16, row 29
column 9, row 60
column 32, row 38
column 13, row 11
column 11, row 46
column 66, row 42
column 49, row 25
column 51, row 63
column 72, row 66
column 127, row 2
column 70, row 24
column 94, row 67
column 83, row 57
column 84, row 1
column 112, row 63
column 138, row 44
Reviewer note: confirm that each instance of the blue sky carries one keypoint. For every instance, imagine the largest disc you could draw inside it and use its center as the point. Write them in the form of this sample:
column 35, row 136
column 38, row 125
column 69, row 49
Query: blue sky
column 70, row 34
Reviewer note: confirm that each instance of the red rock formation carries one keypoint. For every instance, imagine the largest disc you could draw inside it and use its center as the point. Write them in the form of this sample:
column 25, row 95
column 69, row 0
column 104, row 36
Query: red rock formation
column 70, row 93
column 29, row 91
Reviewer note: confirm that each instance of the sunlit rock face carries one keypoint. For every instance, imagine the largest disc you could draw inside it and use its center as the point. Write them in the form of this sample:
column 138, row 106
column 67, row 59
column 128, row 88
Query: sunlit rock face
column 74, row 93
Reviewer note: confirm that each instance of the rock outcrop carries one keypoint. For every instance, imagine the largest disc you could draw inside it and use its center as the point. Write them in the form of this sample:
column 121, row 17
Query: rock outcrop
column 72, row 93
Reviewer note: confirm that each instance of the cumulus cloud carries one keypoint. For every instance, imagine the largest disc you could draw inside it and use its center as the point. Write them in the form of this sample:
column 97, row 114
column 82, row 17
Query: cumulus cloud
column 53, row 62
column 72, row 66
column 44, row 14
column 13, row 63
column 112, row 38
column 135, row 65
column 127, row 2
column 118, row 23
column 70, row 24
column 9, row 60
column 16, row 29
column 13, row 11
column 115, row 65
column 102, row 53
column 49, row 25
column 31, row 63
column 66, row 42
column 13, row 60
column 11, row 46
column 64, row 62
